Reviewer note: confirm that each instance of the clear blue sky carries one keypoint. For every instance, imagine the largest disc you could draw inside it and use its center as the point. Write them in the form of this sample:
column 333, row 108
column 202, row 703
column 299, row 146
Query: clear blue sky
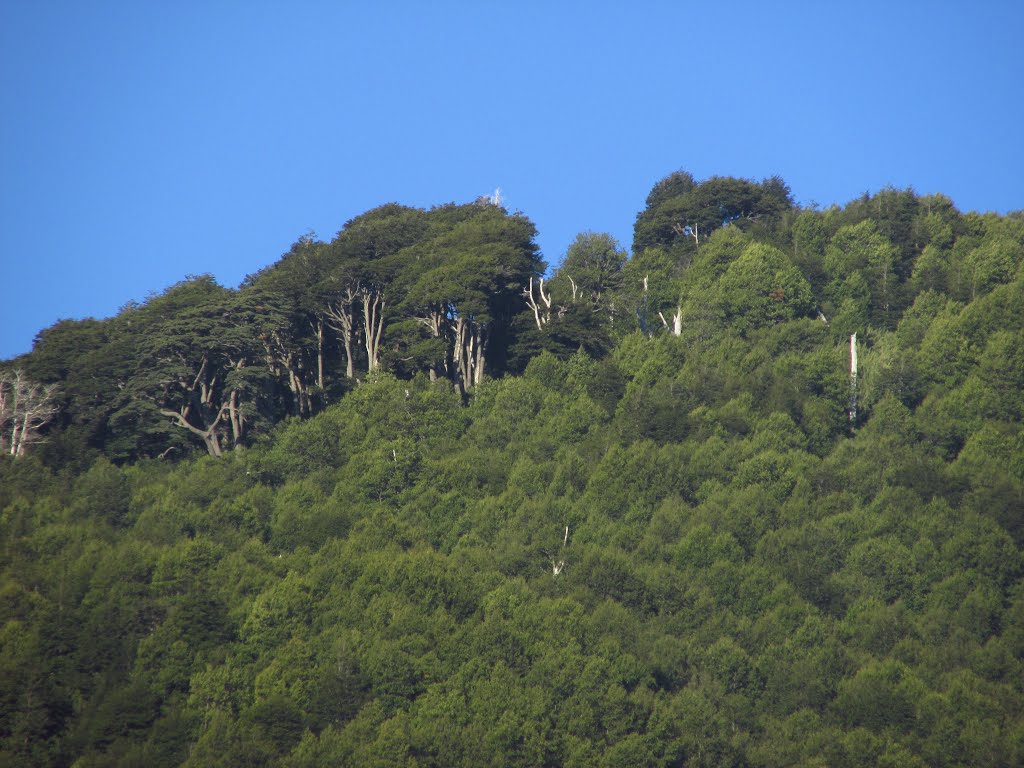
column 143, row 141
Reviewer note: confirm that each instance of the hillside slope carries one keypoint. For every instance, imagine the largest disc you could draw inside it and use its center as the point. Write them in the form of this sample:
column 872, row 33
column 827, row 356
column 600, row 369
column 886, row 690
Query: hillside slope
column 669, row 546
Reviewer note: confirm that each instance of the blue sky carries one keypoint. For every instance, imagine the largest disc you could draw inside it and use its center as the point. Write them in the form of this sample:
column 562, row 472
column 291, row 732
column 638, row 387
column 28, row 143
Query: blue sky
column 144, row 141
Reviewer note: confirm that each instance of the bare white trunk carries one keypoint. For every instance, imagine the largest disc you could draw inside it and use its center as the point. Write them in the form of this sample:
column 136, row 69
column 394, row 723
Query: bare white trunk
column 853, row 378
column 676, row 327
column 210, row 434
column 22, row 434
column 320, row 353
column 641, row 311
column 541, row 309
column 478, row 365
column 237, row 421
column 341, row 317
column 373, row 326
column 468, row 349
column 25, row 408
column 4, row 405
column 15, row 420
column 558, row 560
column 435, row 322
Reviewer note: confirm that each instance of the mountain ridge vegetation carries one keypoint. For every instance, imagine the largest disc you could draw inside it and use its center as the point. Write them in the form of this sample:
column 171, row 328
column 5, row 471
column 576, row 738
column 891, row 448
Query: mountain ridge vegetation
column 407, row 498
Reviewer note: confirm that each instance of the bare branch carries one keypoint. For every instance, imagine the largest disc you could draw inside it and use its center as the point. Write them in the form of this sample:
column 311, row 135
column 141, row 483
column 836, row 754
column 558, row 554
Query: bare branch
column 25, row 408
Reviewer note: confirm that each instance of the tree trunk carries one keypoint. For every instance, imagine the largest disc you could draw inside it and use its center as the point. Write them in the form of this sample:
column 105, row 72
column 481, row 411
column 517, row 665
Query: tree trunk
column 237, row 422
column 481, row 348
column 212, row 441
column 373, row 326
column 460, row 367
column 468, row 351
column 435, row 323
column 542, row 309
column 23, row 434
column 210, row 435
column 677, row 321
column 17, row 405
column 320, row 353
column 641, row 311
column 343, row 316
column 25, row 408
column 853, row 379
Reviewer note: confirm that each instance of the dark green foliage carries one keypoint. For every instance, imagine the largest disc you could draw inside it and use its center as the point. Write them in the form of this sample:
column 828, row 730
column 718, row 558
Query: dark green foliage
column 594, row 264
column 677, row 202
column 663, row 542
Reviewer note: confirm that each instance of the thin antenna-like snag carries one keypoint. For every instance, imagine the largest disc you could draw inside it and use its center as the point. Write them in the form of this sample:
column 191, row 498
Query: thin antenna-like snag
column 853, row 378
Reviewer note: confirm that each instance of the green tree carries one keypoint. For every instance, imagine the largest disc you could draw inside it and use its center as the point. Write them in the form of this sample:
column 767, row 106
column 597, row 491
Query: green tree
column 288, row 301
column 199, row 363
column 763, row 288
column 677, row 203
column 357, row 293
column 465, row 286
column 592, row 266
column 861, row 252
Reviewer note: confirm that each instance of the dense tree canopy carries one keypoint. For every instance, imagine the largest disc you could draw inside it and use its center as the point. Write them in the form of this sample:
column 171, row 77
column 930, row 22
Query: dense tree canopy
column 678, row 208
column 403, row 499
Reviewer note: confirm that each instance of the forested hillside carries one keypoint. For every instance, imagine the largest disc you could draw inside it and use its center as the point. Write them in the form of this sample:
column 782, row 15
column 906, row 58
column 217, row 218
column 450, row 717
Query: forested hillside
column 403, row 498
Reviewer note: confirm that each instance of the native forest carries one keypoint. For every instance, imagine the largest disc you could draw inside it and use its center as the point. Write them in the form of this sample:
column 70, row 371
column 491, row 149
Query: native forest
column 749, row 492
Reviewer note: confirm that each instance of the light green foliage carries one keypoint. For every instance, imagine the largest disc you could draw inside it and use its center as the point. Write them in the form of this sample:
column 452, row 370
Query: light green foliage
column 762, row 287
column 861, row 265
column 721, row 250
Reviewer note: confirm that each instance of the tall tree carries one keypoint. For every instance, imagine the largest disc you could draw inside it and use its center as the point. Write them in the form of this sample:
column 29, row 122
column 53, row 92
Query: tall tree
column 592, row 266
column 289, row 300
column 465, row 286
column 356, row 288
column 90, row 362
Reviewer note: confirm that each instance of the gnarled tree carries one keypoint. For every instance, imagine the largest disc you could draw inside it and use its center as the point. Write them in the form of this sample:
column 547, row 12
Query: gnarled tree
column 201, row 363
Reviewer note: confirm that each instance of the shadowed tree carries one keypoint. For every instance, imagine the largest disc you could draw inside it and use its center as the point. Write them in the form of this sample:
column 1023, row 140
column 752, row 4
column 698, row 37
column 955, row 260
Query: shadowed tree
column 681, row 213
column 200, row 363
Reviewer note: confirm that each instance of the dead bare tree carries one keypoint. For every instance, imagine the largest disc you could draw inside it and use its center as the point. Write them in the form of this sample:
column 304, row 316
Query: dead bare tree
column 541, row 309
column 341, row 317
column 685, row 230
column 25, row 408
column 373, row 325
column 557, row 559
column 677, row 321
column 344, row 316
column 853, row 379
column 576, row 290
